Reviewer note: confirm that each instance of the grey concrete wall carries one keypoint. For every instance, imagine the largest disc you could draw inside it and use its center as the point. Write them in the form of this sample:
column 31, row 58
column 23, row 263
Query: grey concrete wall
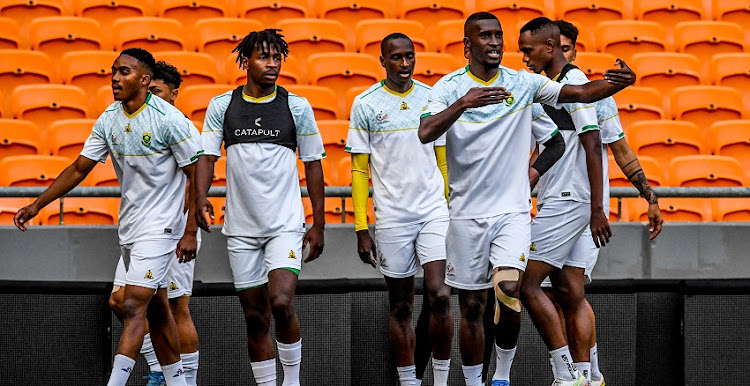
column 682, row 251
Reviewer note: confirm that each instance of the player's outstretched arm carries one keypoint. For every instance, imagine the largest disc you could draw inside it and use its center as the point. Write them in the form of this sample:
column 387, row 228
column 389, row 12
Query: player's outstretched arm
column 554, row 149
column 433, row 126
column 614, row 81
column 204, row 172
column 67, row 180
column 187, row 247
column 592, row 144
column 360, row 192
column 631, row 167
column 316, row 189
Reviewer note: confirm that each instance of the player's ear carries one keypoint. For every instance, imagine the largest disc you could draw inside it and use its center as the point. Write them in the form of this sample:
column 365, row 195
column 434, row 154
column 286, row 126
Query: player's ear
column 382, row 61
column 243, row 63
column 174, row 94
column 550, row 45
column 146, row 79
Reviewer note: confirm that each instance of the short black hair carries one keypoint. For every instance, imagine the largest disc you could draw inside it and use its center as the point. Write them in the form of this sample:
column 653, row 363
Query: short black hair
column 254, row 41
column 545, row 26
column 393, row 36
column 143, row 56
column 477, row 16
column 568, row 30
column 168, row 74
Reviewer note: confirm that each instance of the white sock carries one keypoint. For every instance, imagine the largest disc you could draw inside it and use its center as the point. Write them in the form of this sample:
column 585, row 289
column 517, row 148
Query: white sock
column 147, row 349
column 290, row 356
column 174, row 374
column 265, row 372
column 190, row 365
column 121, row 369
column 563, row 368
column 504, row 361
column 418, row 382
column 407, row 375
column 584, row 368
column 440, row 370
column 595, row 372
column 473, row 375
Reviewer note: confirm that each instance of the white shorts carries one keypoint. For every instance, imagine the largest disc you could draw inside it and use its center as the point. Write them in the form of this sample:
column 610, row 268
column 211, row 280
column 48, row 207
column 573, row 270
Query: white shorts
column 400, row 247
column 583, row 247
column 474, row 247
column 147, row 263
column 556, row 228
column 252, row 258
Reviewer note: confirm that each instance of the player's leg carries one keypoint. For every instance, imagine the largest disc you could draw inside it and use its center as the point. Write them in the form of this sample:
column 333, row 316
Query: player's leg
column 489, row 334
column 570, row 294
column 471, row 333
column 423, row 346
column 585, row 247
column 180, row 278
column 118, row 290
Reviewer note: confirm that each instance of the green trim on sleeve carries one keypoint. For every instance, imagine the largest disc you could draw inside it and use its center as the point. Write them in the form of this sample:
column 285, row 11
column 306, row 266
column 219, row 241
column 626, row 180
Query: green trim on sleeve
column 347, row 148
column 425, row 115
column 195, row 157
column 590, row 127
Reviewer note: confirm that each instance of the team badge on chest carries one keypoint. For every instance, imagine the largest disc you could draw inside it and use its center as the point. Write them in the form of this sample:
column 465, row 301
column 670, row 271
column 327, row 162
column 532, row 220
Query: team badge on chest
column 404, row 106
column 128, row 129
column 146, row 139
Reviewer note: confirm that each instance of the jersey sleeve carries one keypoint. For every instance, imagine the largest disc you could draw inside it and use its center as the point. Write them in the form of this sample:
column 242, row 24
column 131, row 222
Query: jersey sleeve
column 546, row 90
column 583, row 115
column 213, row 125
column 309, row 142
column 438, row 99
column 181, row 137
column 542, row 126
column 358, row 137
column 95, row 148
column 609, row 121
column 440, row 141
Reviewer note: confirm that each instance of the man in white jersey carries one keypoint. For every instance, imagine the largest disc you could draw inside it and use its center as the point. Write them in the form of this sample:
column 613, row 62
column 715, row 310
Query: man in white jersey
column 409, row 199
column 149, row 141
column 485, row 110
column 165, row 85
column 261, row 126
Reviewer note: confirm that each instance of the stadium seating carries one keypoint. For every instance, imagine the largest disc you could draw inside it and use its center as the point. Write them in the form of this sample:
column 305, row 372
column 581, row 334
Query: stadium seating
column 352, row 94
column 639, row 104
column 619, row 212
column 44, row 104
column 19, row 137
column 430, row 12
column 587, row 12
column 107, row 11
column 344, row 167
column 219, row 36
column 24, row 11
column 369, row 33
column 350, row 12
column 624, row 38
column 89, row 70
column 81, row 211
column 733, row 70
column 193, row 101
column 10, row 35
column 57, row 35
column 653, row 169
column 65, row 138
column 322, row 99
column 706, row 38
column 9, row 207
column 342, row 71
column 449, row 38
column 735, row 11
column 220, row 205
column 31, row 170
column 196, row 68
column 666, row 71
column 309, row 36
column 150, row 33
column 706, row 170
column 190, row 11
column 104, row 99
column 731, row 209
column 431, row 66
column 663, row 140
column 268, row 12
column 669, row 12
column 220, row 172
column 732, row 139
column 292, row 72
column 336, row 212
column 594, row 64
column 102, row 175
column 704, row 105
column 20, row 67
column 674, row 210
column 512, row 12
column 334, row 134
column 513, row 60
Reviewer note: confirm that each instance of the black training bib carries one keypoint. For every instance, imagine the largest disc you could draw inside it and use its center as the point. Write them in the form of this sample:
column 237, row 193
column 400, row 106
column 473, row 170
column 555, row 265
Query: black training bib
column 560, row 116
column 270, row 122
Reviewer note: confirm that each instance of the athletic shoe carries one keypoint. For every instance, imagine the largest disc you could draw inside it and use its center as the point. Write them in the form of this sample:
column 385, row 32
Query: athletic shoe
column 581, row 381
column 156, row 378
column 500, row 382
column 597, row 383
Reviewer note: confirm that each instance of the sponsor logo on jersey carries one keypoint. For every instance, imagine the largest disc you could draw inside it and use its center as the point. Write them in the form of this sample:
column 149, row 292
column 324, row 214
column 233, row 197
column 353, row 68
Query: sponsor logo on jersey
column 565, row 194
column 523, row 257
column 128, row 129
column 510, row 100
column 257, row 122
column 381, row 117
column 146, row 139
column 168, row 231
column 173, row 286
column 404, row 106
column 149, row 275
column 532, row 247
column 250, row 131
column 292, row 255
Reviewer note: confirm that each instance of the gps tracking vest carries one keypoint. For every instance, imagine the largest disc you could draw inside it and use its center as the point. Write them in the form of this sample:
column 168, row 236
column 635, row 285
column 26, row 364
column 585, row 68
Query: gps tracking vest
column 561, row 117
column 270, row 122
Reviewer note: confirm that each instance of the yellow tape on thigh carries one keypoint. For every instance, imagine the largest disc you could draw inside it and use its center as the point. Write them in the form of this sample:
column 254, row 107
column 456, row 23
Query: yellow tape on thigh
column 500, row 296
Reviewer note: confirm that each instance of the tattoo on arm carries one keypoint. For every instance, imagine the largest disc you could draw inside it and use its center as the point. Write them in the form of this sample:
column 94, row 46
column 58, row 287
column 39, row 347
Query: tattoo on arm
column 638, row 179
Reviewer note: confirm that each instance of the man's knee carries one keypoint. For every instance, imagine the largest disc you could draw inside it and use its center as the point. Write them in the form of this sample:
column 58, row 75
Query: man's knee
column 473, row 311
column 282, row 307
column 258, row 322
column 569, row 295
column 401, row 310
column 180, row 311
column 440, row 300
column 133, row 307
column 115, row 302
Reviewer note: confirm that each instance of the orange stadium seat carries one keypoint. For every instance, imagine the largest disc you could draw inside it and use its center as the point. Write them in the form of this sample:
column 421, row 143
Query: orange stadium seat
column 350, row 12
column 732, row 139
column 268, row 12
column 292, row 72
column 731, row 209
column 341, row 71
column 431, row 66
column 704, row 105
column 588, row 12
column 102, row 175
column 195, row 67
column 309, row 36
column 513, row 60
column 735, row 11
column 24, row 11
column 369, row 33
column 623, row 38
column 666, row 71
column 663, row 140
column 58, row 35
column 430, row 12
column 639, row 104
column 18, row 137
column 334, row 134
column 594, row 64
column 20, row 67
column 107, row 11
column 220, row 172
column 512, row 12
column 449, row 38
column 89, row 70
column 733, row 70
column 674, row 209
column 190, row 11
column 220, row 207
column 219, row 36
column 352, row 94
column 81, row 211
column 706, row 38
column 337, row 212
column 619, row 212
column 706, row 170
column 9, row 207
column 330, row 174
column 10, row 35
column 31, row 170
column 65, row 138
column 104, row 99
column 44, row 104
column 344, row 167
column 669, row 12
column 654, row 170
column 150, row 33
column 193, row 101
column 322, row 99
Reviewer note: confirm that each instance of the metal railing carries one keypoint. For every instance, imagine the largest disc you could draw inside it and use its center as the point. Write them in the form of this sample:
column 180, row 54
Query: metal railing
column 345, row 191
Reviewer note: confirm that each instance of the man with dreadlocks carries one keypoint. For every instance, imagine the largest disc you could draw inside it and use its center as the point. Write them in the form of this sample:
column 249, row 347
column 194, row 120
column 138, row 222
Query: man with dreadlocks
column 261, row 126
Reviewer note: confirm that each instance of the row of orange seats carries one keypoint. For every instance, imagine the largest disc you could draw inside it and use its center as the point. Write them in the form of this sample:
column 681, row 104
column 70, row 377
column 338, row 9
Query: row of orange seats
column 684, row 209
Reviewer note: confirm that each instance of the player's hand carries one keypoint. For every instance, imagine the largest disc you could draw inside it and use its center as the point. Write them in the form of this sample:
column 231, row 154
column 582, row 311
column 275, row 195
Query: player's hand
column 533, row 177
column 600, row 230
column 484, row 96
column 314, row 237
column 654, row 220
column 204, row 213
column 622, row 76
column 24, row 215
column 366, row 248
column 187, row 248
